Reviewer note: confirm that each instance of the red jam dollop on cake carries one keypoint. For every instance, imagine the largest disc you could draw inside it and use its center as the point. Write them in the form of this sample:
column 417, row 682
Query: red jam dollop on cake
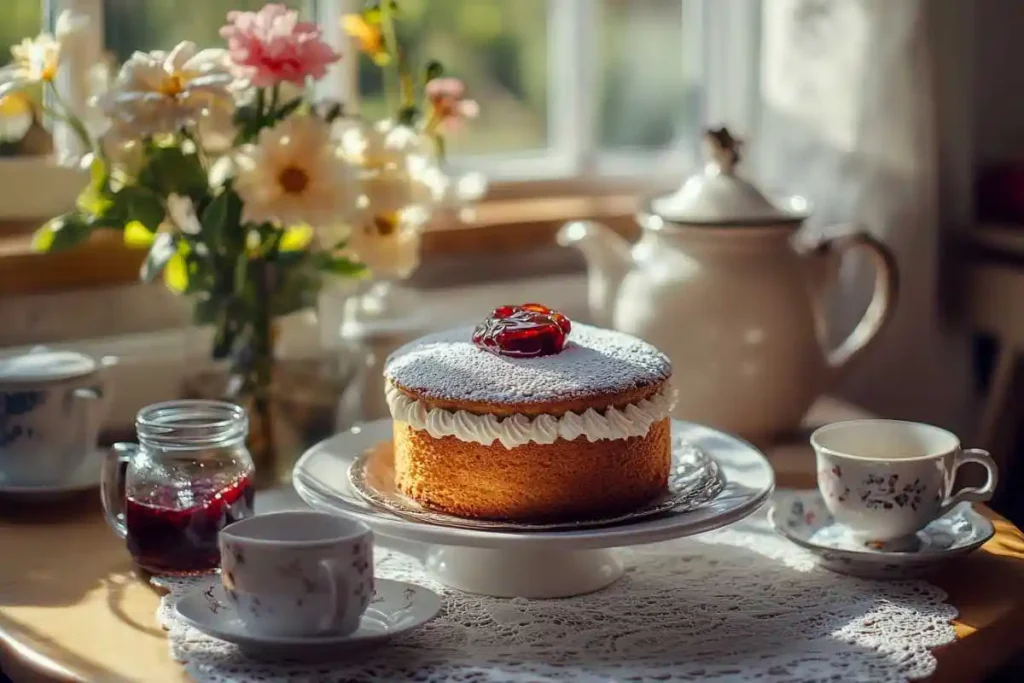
column 526, row 331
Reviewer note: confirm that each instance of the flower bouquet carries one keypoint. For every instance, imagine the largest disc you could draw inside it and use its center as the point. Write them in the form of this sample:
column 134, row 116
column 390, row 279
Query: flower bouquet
column 246, row 192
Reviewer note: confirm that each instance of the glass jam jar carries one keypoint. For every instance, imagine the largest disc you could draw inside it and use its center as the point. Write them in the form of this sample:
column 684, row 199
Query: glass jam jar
column 189, row 476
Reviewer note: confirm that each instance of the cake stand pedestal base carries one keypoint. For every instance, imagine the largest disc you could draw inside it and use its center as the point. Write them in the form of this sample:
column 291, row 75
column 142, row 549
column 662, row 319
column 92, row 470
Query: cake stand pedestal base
column 523, row 573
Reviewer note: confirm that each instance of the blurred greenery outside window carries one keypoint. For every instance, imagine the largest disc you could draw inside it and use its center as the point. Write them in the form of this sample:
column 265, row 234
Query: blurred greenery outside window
column 639, row 93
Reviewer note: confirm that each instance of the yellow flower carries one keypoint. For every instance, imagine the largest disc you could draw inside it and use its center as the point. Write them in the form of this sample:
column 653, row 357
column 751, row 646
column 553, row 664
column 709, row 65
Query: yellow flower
column 369, row 36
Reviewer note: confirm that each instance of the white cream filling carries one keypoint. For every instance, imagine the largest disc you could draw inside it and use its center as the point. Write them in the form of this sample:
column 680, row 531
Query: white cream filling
column 634, row 419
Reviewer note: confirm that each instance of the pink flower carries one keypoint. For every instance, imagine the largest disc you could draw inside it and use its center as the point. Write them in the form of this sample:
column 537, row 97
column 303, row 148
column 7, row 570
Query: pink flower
column 447, row 96
column 272, row 46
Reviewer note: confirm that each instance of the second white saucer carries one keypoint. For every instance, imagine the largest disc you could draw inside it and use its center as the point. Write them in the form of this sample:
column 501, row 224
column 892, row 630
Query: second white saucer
column 86, row 477
column 803, row 518
column 396, row 607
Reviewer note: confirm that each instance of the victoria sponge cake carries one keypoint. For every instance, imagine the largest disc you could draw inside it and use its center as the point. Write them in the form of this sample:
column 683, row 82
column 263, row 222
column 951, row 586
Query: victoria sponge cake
column 530, row 418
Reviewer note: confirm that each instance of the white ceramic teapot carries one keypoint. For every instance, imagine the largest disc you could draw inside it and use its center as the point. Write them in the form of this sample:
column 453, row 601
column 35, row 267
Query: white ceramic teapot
column 720, row 283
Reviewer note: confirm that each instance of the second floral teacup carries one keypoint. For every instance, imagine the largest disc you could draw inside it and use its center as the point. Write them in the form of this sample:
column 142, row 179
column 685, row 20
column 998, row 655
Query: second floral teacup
column 298, row 574
column 887, row 479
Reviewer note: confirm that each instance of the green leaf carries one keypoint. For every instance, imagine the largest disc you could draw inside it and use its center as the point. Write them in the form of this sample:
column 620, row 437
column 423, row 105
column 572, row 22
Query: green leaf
column 214, row 218
column 287, row 109
column 142, row 205
column 162, row 251
column 434, row 69
column 94, row 200
column 221, row 221
column 176, row 275
column 407, row 116
column 339, row 265
column 295, row 239
column 62, row 232
column 241, row 273
column 138, row 235
column 169, row 170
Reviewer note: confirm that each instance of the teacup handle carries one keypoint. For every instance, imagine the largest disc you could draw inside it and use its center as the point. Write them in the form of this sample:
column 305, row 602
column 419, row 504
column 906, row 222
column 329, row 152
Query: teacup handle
column 329, row 619
column 971, row 493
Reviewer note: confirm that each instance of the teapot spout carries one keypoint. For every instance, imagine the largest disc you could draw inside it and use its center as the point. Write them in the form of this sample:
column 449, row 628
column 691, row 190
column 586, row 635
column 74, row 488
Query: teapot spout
column 608, row 259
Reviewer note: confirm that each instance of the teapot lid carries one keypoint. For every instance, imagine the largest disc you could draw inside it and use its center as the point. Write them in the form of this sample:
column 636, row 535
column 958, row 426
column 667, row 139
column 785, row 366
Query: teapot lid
column 43, row 365
column 718, row 196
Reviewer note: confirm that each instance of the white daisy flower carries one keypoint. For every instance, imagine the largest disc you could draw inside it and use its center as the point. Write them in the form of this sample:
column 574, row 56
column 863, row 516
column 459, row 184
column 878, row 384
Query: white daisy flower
column 293, row 175
column 158, row 92
column 36, row 60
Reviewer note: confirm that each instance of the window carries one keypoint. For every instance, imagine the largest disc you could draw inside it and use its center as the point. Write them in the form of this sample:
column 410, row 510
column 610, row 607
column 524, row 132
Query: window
column 569, row 88
column 579, row 98
column 130, row 25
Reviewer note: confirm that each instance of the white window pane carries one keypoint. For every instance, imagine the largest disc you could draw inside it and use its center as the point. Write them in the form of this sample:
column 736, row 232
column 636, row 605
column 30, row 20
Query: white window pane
column 646, row 101
column 130, row 25
column 18, row 19
column 499, row 48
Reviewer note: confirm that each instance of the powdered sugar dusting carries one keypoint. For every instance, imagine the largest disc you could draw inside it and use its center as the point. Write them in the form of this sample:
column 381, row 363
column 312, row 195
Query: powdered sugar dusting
column 447, row 365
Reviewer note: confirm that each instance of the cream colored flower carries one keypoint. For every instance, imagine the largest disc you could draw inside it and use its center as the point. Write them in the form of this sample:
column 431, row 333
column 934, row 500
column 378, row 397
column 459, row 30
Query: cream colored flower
column 158, row 92
column 294, row 175
column 36, row 60
column 389, row 248
column 383, row 146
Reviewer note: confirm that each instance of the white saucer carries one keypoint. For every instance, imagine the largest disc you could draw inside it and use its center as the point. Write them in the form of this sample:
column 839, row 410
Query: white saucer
column 86, row 477
column 801, row 516
column 396, row 607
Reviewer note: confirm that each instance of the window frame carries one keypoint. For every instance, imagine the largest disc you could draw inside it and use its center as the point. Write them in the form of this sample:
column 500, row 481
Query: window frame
column 722, row 44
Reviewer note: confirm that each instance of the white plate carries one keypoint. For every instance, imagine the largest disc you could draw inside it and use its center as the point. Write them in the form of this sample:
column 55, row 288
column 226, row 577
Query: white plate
column 86, row 477
column 694, row 480
column 396, row 607
column 803, row 518
column 504, row 563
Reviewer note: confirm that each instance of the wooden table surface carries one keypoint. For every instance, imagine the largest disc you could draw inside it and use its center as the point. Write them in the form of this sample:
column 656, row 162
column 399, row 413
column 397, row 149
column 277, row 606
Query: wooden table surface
column 72, row 609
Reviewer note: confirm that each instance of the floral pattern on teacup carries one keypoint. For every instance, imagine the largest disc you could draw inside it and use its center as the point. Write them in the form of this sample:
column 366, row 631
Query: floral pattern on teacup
column 831, row 482
column 15, row 404
column 887, row 492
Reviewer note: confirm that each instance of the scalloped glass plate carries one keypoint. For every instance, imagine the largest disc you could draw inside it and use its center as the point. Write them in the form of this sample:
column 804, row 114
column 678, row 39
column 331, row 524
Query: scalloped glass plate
column 695, row 479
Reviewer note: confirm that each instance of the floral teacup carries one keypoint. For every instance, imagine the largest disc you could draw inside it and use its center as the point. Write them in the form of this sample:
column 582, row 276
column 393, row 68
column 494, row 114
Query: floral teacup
column 298, row 574
column 887, row 479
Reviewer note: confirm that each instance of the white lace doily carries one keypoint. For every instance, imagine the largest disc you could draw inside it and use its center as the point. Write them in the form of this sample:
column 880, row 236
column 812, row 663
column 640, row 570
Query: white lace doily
column 732, row 605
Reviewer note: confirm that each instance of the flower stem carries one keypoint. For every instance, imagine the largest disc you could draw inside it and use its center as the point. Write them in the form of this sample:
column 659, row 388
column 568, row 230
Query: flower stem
column 260, row 106
column 274, row 94
column 392, row 77
column 69, row 117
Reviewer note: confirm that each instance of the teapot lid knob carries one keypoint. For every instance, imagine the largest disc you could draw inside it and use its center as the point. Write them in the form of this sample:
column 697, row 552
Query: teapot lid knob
column 721, row 196
column 723, row 149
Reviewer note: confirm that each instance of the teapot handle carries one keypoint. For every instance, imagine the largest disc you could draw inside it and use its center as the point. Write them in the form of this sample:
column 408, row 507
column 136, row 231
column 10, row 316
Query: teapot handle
column 883, row 301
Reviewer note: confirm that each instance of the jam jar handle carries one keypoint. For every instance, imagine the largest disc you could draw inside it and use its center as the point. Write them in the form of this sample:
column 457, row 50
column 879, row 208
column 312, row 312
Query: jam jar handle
column 115, row 466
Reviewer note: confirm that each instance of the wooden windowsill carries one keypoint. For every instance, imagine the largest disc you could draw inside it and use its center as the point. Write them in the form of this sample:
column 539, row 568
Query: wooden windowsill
column 498, row 226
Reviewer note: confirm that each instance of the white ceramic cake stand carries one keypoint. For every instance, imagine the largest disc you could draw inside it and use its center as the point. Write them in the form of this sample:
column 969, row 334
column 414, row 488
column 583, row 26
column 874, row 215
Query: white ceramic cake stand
column 539, row 564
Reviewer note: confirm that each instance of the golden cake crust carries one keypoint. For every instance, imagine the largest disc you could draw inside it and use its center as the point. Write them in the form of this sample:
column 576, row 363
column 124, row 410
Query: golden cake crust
column 564, row 480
